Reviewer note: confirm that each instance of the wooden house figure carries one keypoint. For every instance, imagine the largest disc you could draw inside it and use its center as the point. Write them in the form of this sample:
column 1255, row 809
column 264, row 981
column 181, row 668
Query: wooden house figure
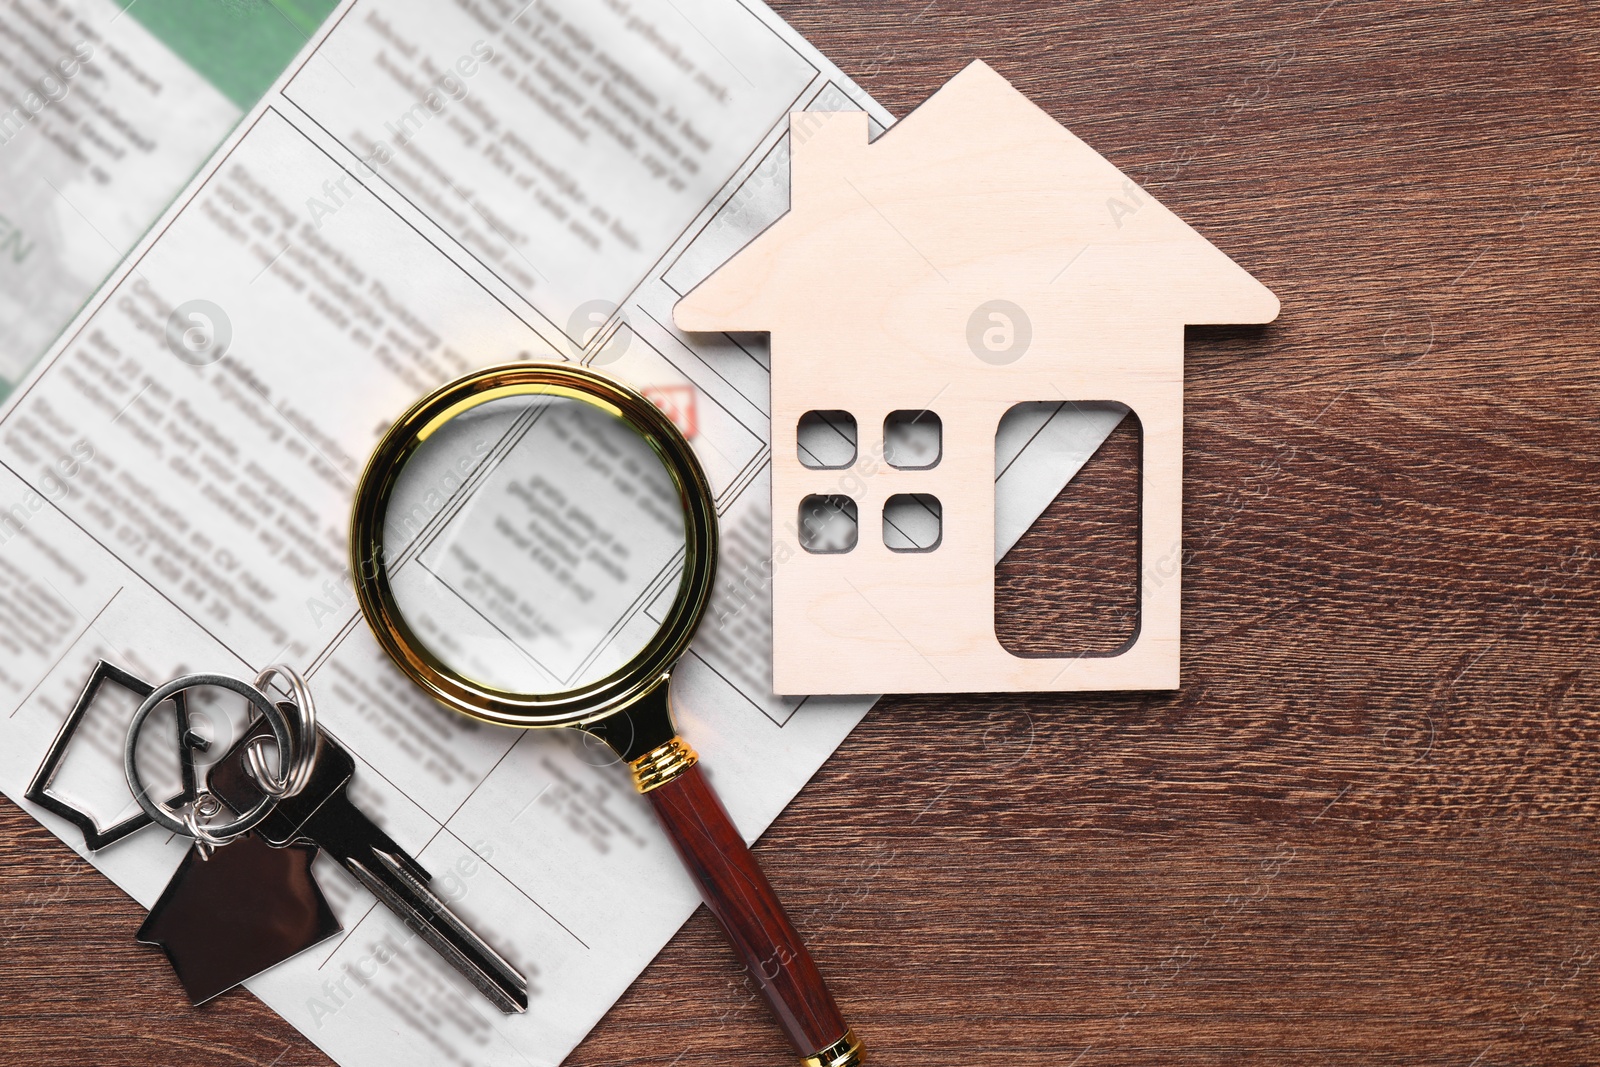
column 976, row 256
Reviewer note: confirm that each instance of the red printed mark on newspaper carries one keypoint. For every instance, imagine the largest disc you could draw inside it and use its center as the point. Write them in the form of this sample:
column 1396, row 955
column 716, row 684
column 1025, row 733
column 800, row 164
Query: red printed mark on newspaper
column 678, row 402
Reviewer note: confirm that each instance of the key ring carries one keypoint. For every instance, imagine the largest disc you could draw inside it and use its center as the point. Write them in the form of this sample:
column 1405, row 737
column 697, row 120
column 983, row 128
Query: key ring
column 300, row 768
column 188, row 825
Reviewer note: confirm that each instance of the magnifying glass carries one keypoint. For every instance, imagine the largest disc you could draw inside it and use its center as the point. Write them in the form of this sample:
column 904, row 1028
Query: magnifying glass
column 534, row 545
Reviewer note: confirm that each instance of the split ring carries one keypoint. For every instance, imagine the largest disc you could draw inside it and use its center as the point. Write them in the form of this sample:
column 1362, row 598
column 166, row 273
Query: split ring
column 298, row 774
column 165, row 816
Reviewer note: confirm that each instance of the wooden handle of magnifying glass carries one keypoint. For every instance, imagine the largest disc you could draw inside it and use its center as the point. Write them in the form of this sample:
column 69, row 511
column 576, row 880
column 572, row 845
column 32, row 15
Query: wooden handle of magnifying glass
column 743, row 903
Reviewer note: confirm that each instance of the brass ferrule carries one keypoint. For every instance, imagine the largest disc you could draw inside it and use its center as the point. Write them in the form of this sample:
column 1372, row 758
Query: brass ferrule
column 845, row 1052
column 662, row 764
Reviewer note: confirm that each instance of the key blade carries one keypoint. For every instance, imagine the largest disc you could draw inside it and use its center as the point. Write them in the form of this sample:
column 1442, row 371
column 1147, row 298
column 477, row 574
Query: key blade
column 427, row 915
column 392, row 876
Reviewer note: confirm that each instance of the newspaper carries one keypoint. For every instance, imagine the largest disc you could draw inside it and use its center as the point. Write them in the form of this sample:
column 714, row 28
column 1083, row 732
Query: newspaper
column 430, row 187
column 105, row 111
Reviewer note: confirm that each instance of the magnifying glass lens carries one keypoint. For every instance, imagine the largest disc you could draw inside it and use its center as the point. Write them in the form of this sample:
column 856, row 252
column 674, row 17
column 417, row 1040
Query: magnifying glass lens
column 534, row 542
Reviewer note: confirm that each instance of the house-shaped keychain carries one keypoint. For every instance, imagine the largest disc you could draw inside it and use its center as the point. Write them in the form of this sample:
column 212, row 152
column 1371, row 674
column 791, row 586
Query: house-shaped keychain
column 976, row 256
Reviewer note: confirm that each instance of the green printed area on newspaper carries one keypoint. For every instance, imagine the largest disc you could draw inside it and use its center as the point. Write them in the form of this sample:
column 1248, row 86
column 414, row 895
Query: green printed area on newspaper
column 239, row 46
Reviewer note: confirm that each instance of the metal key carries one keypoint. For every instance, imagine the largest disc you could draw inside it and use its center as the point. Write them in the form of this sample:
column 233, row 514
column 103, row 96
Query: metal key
column 322, row 814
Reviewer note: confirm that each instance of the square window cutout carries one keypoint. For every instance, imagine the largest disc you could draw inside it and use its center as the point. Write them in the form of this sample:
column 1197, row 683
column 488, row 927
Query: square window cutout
column 827, row 439
column 912, row 522
column 828, row 524
column 912, row 440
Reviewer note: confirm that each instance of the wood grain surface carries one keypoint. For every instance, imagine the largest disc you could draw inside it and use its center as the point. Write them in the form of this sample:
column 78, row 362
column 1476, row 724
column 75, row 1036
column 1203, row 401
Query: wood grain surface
column 1365, row 831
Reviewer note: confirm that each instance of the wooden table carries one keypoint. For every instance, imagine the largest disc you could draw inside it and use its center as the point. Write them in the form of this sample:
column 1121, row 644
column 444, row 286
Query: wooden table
column 1365, row 830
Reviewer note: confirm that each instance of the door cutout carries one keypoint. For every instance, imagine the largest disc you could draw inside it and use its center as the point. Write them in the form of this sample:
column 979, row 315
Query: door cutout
column 1070, row 586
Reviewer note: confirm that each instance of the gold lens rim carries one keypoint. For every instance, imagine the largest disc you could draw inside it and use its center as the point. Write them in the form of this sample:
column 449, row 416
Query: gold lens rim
column 587, row 703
